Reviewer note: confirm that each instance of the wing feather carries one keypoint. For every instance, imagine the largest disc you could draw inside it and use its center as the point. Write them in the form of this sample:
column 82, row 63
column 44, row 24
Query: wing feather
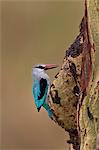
column 43, row 86
column 40, row 90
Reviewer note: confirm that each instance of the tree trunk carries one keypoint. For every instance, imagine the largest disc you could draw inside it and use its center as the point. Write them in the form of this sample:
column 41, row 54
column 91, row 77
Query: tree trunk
column 75, row 90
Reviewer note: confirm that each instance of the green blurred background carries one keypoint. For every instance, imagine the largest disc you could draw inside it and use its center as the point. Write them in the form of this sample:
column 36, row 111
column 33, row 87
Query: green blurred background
column 32, row 32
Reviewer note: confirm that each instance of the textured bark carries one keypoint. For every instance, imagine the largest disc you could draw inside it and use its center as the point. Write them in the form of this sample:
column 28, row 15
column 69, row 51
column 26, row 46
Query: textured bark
column 75, row 90
column 89, row 111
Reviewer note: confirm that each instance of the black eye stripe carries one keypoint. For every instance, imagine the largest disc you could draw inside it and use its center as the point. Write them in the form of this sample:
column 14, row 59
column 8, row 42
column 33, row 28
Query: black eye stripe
column 40, row 67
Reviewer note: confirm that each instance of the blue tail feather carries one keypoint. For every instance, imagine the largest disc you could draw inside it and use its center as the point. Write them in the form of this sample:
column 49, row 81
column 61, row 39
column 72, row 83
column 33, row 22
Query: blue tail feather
column 46, row 106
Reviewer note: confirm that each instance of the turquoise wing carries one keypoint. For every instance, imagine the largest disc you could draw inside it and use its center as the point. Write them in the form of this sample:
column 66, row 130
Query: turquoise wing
column 40, row 91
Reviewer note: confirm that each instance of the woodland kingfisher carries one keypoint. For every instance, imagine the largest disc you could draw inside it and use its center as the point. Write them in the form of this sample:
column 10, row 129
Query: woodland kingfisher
column 41, row 86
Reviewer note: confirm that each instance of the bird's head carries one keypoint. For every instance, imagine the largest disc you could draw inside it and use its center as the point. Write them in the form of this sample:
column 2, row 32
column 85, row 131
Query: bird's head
column 38, row 71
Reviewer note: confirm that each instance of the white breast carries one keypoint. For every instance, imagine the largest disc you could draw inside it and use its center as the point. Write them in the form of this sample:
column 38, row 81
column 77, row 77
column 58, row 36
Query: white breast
column 37, row 74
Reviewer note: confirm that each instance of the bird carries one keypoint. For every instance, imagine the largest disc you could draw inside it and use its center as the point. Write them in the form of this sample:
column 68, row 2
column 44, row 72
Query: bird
column 41, row 86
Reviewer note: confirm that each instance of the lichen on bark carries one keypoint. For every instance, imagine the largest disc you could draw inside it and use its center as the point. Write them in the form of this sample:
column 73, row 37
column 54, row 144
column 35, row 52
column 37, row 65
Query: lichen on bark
column 74, row 94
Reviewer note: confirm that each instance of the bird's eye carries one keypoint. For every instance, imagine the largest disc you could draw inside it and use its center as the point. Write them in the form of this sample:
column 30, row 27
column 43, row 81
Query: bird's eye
column 40, row 67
